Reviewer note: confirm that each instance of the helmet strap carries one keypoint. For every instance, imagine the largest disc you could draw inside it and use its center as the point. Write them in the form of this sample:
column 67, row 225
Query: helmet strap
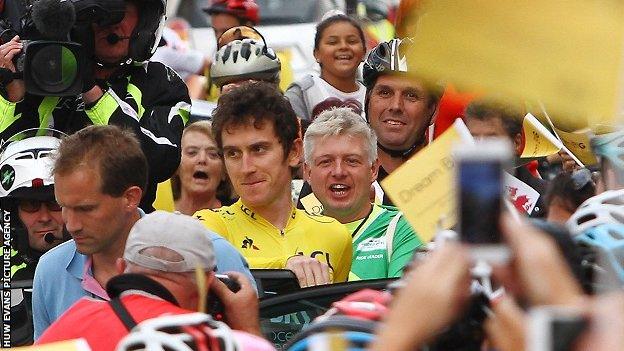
column 401, row 153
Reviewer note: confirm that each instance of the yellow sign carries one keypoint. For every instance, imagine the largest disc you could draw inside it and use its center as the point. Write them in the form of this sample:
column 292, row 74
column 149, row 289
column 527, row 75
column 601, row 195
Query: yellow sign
column 423, row 186
column 567, row 54
column 538, row 141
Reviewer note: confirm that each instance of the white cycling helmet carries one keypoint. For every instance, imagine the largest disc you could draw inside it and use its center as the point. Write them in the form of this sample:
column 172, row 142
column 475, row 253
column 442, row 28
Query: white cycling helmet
column 604, row 208
column 245, row 59
column 184, row 332
column 26, row 166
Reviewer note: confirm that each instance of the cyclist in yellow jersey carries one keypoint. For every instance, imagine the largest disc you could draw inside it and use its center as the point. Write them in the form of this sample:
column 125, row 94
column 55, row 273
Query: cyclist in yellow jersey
column 266, row 246
column 258, row 133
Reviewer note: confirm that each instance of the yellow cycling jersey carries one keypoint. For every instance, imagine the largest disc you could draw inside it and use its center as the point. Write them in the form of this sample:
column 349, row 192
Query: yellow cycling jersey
column 265, row 246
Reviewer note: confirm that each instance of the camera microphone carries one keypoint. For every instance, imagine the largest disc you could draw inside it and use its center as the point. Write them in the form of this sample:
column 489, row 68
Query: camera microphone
column 113, row 38
column 49, row 237
column 54, row 19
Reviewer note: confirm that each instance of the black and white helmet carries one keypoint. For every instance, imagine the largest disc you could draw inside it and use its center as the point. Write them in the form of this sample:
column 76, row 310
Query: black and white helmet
column 25, row 167
column 146, row 35
column 386, row 58
column 245, row 59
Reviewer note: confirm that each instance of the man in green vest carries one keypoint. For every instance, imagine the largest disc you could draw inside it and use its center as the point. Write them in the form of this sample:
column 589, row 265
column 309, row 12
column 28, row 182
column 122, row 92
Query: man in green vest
column 341, row 164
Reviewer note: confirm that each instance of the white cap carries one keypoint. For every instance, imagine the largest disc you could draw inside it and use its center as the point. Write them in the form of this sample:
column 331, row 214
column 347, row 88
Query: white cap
column 180, row 233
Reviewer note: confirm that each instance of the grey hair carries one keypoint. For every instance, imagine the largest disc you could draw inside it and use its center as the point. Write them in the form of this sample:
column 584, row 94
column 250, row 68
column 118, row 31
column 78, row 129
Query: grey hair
column 339, row 121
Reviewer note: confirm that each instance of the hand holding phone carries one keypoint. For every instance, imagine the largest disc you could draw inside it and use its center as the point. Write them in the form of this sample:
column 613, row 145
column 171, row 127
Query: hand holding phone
column 480, row 184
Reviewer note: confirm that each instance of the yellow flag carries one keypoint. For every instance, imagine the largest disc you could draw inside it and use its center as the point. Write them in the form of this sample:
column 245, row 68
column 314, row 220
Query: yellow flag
column 567, row 54
column 423, row 186
column 578, row 144
column 538, row 141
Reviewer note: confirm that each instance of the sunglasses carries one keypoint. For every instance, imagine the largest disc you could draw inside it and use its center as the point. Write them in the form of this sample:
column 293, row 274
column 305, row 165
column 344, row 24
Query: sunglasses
column 32, row 206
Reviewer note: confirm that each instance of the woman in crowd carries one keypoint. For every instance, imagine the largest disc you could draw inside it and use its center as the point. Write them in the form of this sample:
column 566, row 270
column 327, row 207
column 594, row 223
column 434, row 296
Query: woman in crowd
column 200, row 181
column 338, row 48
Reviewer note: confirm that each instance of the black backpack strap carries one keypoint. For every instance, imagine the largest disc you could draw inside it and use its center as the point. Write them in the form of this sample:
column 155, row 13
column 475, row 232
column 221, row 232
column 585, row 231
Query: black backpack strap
column 122, row 312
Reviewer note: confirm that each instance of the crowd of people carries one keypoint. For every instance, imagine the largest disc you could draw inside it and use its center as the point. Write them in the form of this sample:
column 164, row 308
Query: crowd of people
column 79, row 176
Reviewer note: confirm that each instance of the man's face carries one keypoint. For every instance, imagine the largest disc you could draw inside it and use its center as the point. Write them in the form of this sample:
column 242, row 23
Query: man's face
column 97, row 222
column 222, row 22
column 112, row 53
column 40, row 218
column 487, row 128
column 491, row 128
column 399, row 111
column 255, row 162
column 341, row 175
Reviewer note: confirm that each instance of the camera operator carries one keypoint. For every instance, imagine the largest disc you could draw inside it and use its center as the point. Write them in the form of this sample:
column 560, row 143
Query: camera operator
column 119, row 86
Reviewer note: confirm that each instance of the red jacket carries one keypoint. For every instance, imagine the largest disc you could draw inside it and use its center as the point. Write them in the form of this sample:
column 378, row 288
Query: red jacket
column 96, row 321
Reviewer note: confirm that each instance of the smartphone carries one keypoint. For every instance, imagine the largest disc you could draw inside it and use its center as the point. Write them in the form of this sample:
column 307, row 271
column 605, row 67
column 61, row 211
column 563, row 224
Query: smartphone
column 479, row 178
column 554, row 328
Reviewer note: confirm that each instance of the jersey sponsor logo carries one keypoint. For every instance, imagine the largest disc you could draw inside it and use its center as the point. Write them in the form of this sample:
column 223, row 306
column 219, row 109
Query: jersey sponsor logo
column 372, row 244
column 248, row 244
column 226, row 214
column 368, row 257
column 316, row 253
column 248, row 212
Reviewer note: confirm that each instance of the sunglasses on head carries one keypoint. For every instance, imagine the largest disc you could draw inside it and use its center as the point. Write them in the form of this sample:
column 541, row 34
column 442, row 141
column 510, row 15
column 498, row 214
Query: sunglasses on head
column 32, row 206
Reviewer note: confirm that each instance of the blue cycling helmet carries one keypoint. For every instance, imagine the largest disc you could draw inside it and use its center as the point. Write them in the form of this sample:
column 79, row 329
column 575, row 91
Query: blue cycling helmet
column 602, row 248
column 611, row 147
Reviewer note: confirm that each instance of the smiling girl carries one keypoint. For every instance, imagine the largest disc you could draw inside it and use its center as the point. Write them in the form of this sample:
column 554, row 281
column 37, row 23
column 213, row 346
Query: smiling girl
column 338, row 48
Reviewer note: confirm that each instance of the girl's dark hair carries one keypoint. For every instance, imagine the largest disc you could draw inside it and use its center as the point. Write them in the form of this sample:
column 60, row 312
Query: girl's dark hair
column 320, row 28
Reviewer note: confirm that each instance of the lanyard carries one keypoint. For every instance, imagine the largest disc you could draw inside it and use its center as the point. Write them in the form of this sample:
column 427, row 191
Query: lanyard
column 363, row 221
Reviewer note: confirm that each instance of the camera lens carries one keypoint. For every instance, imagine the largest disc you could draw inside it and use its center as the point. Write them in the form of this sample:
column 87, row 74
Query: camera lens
column 54, row 68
